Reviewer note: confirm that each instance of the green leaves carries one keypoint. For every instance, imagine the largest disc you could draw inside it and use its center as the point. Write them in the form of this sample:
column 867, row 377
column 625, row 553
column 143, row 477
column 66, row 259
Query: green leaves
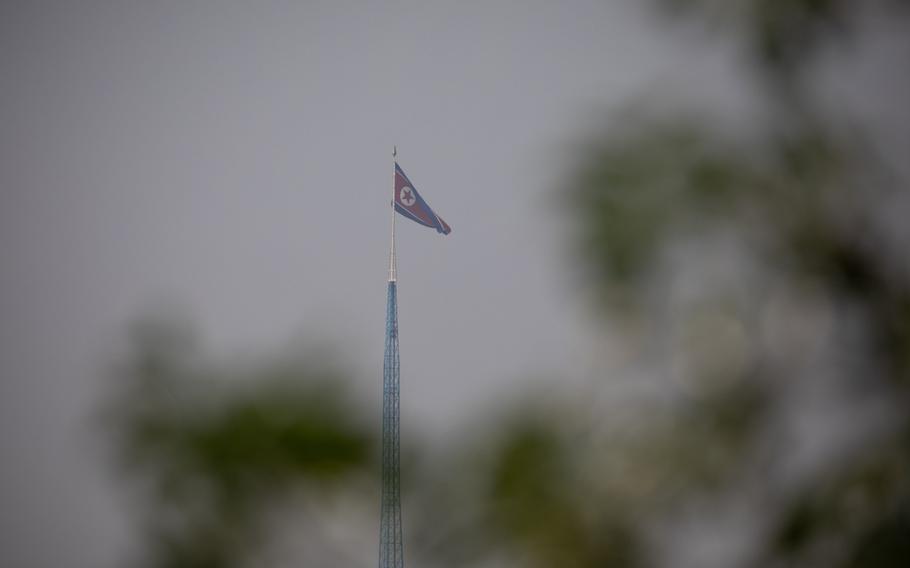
column 212, row 452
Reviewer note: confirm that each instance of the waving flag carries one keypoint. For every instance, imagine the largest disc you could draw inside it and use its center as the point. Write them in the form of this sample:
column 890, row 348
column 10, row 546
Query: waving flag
column 409, row 203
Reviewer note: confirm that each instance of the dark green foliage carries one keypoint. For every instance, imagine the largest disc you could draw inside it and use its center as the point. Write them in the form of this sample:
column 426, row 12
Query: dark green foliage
column 795, row 199
column 212, row 453
column 637, row 190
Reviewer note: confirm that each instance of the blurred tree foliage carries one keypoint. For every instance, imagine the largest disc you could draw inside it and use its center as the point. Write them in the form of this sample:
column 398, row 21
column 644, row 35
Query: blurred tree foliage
column 211, row 451
column 774, row 244
column 754, row 274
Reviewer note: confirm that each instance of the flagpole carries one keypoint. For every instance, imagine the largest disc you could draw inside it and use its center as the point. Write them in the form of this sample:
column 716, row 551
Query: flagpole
column 393, row 262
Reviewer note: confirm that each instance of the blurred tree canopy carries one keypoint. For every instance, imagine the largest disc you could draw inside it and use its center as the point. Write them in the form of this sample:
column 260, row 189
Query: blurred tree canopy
column 766, row 262
column 755, row 275
column 212, row 451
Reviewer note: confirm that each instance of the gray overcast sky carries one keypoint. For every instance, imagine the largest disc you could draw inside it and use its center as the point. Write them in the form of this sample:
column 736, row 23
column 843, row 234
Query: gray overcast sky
column 233, row 158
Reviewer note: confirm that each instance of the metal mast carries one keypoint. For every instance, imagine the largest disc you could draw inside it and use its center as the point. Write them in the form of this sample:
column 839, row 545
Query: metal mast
column 391, row 546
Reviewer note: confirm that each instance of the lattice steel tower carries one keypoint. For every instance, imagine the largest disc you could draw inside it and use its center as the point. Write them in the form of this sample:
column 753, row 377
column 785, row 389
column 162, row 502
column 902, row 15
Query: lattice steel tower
column 391, row 549
column 407, row 201
column 391, row 545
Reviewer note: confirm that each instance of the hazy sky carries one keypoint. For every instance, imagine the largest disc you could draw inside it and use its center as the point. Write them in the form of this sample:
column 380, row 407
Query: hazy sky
column 232, row 159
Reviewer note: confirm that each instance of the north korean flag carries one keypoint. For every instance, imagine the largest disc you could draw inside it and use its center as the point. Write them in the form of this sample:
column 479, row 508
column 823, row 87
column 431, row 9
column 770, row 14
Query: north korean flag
column 409, row 203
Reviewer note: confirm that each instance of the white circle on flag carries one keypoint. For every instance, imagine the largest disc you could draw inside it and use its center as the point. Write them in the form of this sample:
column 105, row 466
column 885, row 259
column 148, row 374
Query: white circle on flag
column 406, row 195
